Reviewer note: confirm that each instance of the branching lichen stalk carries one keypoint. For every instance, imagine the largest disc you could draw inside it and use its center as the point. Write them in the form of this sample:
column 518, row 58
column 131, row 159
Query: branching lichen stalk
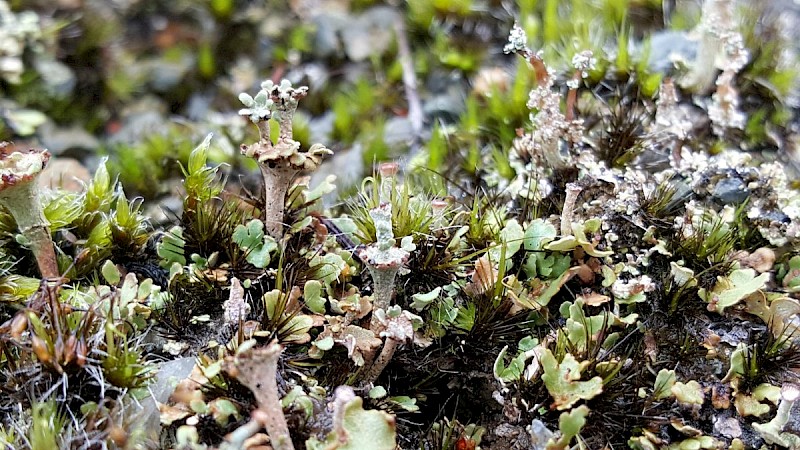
column 282, row 161
column 235, row 440
column 383, row 258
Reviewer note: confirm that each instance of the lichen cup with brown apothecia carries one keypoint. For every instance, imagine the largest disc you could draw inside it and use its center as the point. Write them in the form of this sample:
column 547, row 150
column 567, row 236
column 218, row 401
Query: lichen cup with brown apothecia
column 19, row 194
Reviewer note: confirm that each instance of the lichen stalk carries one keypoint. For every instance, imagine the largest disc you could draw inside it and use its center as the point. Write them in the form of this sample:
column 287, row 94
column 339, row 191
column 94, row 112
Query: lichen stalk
column 386, row 354
column 383, row 284
column 438, row 208
column 277, row 182
column 382, row 258
column 236, row 438
column 286, row 133
column 396, row 327
column 388, row 172
column 772, row 431
column 789, row 395
column 32, row 225
column 573, row 190
column 19, row 193
column 572, row 99
column 382, row 218
column 257, row 369
column 281, row 162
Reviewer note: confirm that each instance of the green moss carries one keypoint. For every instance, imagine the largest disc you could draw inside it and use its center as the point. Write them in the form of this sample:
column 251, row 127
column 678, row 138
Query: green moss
column 143, row 168
column 47, row 425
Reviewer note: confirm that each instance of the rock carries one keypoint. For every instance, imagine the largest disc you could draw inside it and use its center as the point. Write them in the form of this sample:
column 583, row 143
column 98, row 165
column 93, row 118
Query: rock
column 512, row 437
column 666, row 47
column 199, row 106
column 166, row 74
column 776, row 216
column 165, row 210
column 371, row 33
column 65, row 173
column 448, row 103
column 359, row 36
column 347, row 165
column 166, row 379
column 142, row 119
column 728, row 427
column 137, row 127
column 398, row 132
column 315, row 75
column 540, row 435
column 733, row 335
column 326, row 40
column 447, row 106
column 731, row 190
column 59, row 81
column 60, row 140
column 321, row 127
column 306, row 9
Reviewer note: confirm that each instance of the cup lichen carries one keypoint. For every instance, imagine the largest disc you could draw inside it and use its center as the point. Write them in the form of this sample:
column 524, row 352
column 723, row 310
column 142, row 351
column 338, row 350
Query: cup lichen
column 19, row 193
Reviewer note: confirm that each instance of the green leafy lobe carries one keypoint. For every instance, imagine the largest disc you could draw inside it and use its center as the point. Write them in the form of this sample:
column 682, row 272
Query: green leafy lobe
column 562, row 381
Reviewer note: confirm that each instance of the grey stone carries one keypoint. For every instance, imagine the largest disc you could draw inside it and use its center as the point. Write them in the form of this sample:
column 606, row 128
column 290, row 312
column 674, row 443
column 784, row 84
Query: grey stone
column 447, row 106
column 398, row 132
column 166, row 74
column 61, row 139
column 198, row 106
column 326, row 39
column 321, row 127
column 728, row 427
column 540, row 435
column 666, row 44
column 166, row 379
column 776, row 216
column 348, row 167
column 731, row 190
column 65, row 173
column 59, row 81
column 165, row 211
column 142, row 118
column 370, row 33
column 359, row 36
